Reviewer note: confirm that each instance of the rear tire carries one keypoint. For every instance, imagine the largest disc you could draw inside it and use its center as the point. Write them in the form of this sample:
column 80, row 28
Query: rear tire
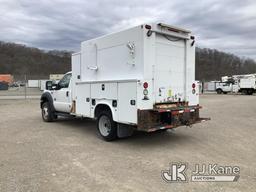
column 244, row 91
column 106, row 126
column 249, row 92
column 47, row 113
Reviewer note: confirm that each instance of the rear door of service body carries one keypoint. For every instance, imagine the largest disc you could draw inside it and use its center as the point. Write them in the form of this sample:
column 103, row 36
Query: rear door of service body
column 169, row 70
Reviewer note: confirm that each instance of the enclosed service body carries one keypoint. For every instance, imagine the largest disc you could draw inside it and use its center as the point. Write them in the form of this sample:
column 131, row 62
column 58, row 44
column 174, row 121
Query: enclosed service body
column 144, row 76
column 117, row 67
column 247, row 85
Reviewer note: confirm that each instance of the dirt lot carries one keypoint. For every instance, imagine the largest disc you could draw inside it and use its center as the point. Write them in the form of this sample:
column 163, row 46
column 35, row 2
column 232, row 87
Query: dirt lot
column 68, row 155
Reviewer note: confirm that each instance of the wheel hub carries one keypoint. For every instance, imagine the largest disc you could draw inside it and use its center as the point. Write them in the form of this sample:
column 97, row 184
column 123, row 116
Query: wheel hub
column 104, row 125
column 45, row 112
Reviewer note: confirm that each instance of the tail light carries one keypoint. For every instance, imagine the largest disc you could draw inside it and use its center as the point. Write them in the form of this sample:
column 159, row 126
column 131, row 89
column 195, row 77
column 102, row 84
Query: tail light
column 145, row 85
column 145, row 91
column 193, row 88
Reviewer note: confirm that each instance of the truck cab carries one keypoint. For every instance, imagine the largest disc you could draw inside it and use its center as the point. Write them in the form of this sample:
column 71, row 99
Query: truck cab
column 223, row 87
column 57, row 97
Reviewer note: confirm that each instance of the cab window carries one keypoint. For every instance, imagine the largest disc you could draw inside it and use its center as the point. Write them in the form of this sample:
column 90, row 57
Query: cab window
column 64, row 82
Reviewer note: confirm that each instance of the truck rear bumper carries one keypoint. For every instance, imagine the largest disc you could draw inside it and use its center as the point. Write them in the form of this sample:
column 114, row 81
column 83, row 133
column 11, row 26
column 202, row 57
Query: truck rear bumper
column 171, row 126
column 153, row 120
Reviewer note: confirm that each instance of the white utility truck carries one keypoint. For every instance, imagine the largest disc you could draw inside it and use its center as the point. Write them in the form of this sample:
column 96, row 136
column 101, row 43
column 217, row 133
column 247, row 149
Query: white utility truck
column 237, row 83
column 223, row 87
column 141, row 78
column 247, row 85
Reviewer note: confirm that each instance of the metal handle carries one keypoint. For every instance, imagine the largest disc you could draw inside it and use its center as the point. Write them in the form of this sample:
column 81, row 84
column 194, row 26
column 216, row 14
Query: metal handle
column 93, row 68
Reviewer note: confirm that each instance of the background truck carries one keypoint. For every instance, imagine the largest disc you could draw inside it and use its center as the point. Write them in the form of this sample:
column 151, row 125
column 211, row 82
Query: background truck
column 237, row 83
column 223, row 87
column 141, row 78
column 247, row 85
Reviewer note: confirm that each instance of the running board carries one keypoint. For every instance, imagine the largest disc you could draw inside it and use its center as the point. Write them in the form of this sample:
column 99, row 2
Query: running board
column 64, row 114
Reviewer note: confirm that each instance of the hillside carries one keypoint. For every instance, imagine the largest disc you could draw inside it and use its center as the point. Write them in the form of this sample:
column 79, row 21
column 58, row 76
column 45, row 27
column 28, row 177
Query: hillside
column 212, row 64
column 19, row 60
column 35, row 63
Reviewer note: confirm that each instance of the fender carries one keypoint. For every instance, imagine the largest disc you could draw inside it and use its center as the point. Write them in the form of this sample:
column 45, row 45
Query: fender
column 46, row 96
column 109, row 104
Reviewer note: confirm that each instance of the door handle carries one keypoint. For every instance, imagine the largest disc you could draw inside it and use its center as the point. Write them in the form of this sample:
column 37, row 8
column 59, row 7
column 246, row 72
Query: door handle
column 67, row 93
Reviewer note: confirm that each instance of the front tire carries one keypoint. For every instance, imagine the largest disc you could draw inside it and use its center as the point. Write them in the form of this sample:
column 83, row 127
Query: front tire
column 106, row 126
column 219, row 91
column 47, row 113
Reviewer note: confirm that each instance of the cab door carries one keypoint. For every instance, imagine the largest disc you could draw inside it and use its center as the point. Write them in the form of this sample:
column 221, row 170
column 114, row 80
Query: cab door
column 62, row 96
column 227, row 87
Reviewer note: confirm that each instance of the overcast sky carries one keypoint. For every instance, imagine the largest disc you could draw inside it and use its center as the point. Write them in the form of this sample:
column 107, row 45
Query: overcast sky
column 228, row 25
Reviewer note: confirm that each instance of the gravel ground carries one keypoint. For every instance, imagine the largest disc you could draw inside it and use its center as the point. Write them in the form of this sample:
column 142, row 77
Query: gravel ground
column 20, row 91
column 68, row 155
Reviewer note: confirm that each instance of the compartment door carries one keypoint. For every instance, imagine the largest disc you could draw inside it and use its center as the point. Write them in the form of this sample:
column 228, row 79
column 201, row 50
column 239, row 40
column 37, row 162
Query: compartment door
column 127, row 103
column 83, row 100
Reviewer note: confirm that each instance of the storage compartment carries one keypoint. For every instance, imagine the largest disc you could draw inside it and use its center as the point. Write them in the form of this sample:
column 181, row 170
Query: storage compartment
column 127, row 102
column 104, row 90
column 83, row 99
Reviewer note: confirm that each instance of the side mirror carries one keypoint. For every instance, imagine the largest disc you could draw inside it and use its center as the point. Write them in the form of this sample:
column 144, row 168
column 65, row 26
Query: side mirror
column 48, row 85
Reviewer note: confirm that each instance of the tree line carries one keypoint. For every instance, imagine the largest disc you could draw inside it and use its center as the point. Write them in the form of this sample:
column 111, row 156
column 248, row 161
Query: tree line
column 19, row 60
column 212, row 64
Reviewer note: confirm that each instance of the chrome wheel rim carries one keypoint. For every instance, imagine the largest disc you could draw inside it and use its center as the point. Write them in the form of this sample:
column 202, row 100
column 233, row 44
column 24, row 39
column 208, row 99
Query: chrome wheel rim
column 45, row 112
column 104, row 125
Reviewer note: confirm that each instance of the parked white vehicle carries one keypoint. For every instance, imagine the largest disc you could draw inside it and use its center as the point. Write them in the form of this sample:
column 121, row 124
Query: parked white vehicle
column 210, row 85
column 33, row 83
column 141, row 78
column 237, row 83
column 223, row 87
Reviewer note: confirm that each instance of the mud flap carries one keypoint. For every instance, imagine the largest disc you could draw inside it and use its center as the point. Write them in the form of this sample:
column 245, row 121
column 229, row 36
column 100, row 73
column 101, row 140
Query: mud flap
column 124, row 130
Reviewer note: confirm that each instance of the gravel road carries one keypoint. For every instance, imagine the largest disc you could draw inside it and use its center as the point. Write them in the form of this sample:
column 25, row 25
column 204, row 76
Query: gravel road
column 68, row 155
